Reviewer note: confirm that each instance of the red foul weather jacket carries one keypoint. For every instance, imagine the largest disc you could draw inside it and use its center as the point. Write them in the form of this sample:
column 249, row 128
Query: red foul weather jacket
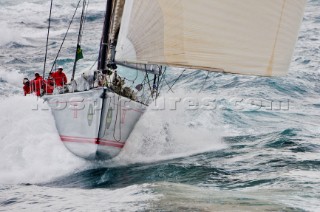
column 26, row 89
column 60, row 78
column 36, row 85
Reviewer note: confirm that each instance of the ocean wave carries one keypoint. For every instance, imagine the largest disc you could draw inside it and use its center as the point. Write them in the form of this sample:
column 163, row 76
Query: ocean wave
column 31, row 151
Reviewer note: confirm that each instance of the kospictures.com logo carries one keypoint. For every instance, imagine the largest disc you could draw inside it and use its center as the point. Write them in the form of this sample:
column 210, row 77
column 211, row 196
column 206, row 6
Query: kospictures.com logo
column 163, row 103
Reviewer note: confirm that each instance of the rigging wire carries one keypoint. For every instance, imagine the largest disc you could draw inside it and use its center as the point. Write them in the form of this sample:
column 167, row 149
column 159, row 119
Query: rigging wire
column 85, row 16
column 65, row 36
column 170, row 87
column 150, row 88
column 163, row 77
column 143, row 83
column 82, row 20
column 46, row 54
column 205, row 81
column 136, row 77
column 148, row 81
column 95, row 62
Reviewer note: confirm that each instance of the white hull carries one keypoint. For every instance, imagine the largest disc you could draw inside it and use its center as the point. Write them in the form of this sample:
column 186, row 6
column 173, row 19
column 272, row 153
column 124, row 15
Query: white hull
column 92, row 127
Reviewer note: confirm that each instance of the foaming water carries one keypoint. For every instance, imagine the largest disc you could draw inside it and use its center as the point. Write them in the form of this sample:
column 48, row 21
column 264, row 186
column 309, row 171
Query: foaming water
column 13, row 78
column 31, row 150
column 35, row 198
column 176, row 125
column 7, row 34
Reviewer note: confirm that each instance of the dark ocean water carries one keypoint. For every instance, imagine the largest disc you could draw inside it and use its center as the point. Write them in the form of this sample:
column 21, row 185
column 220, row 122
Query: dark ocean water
column 258, row 149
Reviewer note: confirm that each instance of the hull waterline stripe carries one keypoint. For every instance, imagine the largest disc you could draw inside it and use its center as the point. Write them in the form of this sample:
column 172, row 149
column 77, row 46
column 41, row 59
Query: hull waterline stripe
column 101, row 142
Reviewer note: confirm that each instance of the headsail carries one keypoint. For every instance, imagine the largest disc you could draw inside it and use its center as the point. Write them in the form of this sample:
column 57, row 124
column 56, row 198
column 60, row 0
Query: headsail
column 245, row 37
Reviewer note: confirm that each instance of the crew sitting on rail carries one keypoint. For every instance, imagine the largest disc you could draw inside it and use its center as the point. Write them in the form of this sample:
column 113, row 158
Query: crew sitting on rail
column 129, row 93
column 117, row 83
column 59, row 77
column 26, row 86
column 99, row 79
column 118, row 87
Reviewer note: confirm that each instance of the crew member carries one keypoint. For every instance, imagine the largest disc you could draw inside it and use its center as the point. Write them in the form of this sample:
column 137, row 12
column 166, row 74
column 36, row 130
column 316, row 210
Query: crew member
column 49, row 84
column 59, row 77
column 36, row 84
column 26, row 86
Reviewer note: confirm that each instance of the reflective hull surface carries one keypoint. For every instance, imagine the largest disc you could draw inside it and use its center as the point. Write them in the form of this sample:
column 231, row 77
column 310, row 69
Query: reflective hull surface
column 94, row 124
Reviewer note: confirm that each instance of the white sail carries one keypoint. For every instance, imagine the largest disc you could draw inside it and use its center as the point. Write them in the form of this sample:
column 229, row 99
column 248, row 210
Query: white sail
column 254, row 37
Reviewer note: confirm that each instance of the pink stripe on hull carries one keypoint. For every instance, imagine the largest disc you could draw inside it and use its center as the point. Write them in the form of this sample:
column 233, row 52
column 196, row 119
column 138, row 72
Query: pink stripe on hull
column 97, row 141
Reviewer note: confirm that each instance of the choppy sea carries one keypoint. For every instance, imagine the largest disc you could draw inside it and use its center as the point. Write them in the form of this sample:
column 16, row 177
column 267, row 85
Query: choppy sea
column 257, row 149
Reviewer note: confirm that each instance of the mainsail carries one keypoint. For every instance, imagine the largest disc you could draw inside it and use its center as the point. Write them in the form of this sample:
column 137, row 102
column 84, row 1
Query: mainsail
column 255, row 37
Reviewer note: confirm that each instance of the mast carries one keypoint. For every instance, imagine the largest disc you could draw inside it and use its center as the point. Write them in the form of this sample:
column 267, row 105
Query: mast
column 105, row 37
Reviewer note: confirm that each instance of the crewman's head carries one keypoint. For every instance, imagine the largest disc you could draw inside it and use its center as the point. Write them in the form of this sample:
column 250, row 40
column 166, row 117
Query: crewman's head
column 60, row 69
column 25, row 80
column 37, row 74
